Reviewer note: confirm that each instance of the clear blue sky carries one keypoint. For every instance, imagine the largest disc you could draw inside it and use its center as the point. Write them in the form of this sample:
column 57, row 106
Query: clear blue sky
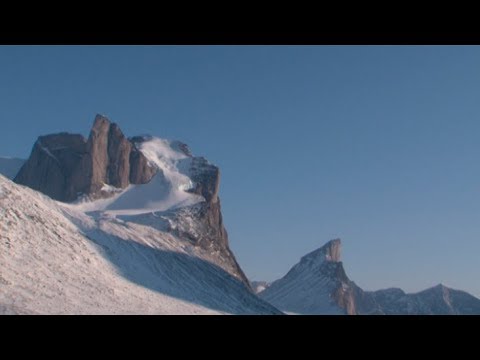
column 377, row 145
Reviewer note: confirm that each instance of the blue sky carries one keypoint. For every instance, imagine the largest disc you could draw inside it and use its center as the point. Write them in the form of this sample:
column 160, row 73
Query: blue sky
column 377, row 145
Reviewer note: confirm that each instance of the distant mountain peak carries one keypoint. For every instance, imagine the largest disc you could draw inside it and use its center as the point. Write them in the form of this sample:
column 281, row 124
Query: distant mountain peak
column 318, row 284
column 101, row 117
column 330, row 252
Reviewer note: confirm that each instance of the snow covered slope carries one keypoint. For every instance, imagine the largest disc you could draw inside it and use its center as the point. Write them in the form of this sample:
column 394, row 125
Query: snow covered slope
column 9, row 166
column 55, row 259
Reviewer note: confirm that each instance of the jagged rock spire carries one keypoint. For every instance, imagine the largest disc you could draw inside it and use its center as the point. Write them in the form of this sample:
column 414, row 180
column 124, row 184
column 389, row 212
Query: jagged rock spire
column 64, row 166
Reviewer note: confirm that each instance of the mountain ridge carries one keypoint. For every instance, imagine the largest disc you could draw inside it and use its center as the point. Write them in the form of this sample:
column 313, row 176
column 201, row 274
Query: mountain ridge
column 318, row 284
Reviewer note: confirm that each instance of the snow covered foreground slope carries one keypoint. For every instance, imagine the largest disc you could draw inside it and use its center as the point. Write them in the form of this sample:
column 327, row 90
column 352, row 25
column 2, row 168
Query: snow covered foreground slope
column 55, row 259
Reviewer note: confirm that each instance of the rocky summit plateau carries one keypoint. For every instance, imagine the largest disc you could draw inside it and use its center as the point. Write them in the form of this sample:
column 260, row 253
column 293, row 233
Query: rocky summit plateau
column 65, row 166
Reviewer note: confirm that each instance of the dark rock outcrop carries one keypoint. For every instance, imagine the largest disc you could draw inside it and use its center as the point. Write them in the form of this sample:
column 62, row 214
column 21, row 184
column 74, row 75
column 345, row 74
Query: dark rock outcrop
column 206, row 177
column 65, row 166
column 216, row 235
column 140, row 171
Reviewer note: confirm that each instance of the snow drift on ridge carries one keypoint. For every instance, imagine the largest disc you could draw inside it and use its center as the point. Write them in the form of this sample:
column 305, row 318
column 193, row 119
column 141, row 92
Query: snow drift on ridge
column 166, row 191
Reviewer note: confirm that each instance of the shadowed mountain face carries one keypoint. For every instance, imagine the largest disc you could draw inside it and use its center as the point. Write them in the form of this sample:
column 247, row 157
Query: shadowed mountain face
column 318, row 284
column 65, row 166
column 181, row 276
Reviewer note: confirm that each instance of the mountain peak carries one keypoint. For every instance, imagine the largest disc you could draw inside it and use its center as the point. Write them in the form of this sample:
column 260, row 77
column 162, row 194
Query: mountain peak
column 101, row 124
column 317, row 284
column 331, row 252
column 100, row 117
column 441, row 287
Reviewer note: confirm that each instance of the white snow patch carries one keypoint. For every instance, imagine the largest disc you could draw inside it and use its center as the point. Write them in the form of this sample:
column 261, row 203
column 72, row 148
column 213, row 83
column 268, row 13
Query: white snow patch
column 260, row 288
column 158, row 195
column 167, row 190
column 110, row 188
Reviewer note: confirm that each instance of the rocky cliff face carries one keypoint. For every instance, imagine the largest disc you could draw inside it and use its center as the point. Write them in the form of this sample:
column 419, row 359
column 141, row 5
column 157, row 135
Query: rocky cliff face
column 208, row 230
column 66, row 166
